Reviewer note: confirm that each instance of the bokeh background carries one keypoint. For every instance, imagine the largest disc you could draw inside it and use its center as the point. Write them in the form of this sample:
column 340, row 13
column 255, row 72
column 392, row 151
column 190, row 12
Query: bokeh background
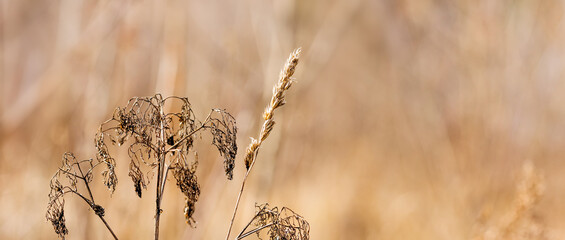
column 409, row 120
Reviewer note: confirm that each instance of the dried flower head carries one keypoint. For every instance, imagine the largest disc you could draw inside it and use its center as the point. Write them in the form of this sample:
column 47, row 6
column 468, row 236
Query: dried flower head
column 224, row 133
column 137, row 177
column 55, row 209
column 283, row 224
column 158, row 136
column 102, row 155
column 56, row 215
column 187, row 182
column 74, row 172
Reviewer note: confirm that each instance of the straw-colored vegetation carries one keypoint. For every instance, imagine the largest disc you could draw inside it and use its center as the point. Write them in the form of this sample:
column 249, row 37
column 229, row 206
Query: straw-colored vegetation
column 408, row 119
column 161, row 141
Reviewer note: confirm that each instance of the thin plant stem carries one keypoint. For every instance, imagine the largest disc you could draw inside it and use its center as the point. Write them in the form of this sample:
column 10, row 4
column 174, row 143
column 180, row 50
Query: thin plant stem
column 108, row 227
column 238, row 198
column 83, row 178
column 167, row 168
column 91, row 200
column 160, row 169
column 244, row 235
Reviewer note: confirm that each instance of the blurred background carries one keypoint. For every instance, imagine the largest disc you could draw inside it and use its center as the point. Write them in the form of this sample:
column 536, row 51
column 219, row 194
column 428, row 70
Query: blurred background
column 409, row 119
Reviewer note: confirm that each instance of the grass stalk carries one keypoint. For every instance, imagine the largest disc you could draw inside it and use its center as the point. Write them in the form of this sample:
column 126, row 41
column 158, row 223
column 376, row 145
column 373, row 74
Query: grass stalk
column 277, row 100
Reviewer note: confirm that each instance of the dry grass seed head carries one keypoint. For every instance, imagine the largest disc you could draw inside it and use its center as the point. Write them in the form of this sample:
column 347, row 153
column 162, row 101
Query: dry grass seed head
column 277, row 100
column 251, row 152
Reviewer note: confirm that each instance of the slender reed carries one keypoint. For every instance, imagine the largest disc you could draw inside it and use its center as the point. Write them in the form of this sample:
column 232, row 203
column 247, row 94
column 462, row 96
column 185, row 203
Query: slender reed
column 277, row 100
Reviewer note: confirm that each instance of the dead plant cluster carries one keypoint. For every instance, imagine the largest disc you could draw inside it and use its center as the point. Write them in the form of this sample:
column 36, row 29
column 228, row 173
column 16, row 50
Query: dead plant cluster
column 160, row 141
column 66, row 180
column 283, row 224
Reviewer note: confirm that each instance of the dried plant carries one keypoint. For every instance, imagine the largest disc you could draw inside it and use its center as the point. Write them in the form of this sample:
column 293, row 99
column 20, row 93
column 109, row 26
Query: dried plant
column 277, row 100
column 283, row 224
column 520, row 222
column 73, row 171
column 188, row 184
column 160, row 142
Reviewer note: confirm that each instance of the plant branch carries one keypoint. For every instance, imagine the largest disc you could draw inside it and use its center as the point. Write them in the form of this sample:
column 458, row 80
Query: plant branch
column 83, row 178
column 91, row 203
column 178, row 142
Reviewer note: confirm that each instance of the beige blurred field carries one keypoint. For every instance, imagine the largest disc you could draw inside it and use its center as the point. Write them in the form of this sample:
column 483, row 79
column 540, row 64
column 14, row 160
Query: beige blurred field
column 409, row 119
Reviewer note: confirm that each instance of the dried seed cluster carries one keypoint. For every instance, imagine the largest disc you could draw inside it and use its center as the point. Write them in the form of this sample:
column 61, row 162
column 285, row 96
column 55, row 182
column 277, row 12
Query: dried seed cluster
column 137, row 177
column 283, row 224
column 187, row 182
column 73, row 171
column 102, row 155
column 56, row 215
column 157, row 134
column 224, row 138
column 55, row 209
column 277, row 100
column 144, row 120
